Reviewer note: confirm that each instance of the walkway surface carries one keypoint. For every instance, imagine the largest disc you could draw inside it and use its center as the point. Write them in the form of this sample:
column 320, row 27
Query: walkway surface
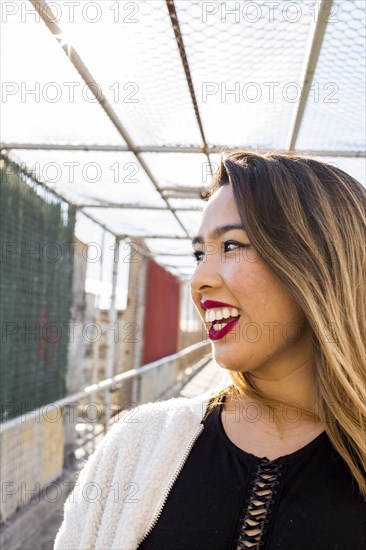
column 210, row 376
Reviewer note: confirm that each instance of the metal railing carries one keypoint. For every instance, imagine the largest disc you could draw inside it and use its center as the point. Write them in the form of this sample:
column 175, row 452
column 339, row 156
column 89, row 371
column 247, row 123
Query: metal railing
column 104, row 386
column 42, row 446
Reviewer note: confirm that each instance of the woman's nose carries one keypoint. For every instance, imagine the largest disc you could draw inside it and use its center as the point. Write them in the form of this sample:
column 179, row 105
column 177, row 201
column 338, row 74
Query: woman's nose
column 206, row 274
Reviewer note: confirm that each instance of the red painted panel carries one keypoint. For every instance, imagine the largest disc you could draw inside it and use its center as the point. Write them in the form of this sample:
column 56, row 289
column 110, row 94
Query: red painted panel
column 161, row 313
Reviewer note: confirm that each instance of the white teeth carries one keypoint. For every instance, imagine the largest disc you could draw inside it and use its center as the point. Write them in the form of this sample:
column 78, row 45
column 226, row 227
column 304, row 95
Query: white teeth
column 219, row 326
column 209, row 315
column 226, row 312
column 218, row 313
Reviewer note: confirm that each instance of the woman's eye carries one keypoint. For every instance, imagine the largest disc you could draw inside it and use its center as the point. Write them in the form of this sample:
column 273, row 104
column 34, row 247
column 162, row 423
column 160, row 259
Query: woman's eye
column 229, row 244
column 196, row 255
column 227, row 248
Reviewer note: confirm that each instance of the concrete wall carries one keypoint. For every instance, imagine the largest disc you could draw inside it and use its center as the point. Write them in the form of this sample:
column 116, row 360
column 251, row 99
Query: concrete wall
column 82, row 312
column 131, row 333
column 31, row 456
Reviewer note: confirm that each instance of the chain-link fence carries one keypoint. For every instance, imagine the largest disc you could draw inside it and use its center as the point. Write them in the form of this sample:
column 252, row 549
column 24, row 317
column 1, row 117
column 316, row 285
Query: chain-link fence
column 37, row 232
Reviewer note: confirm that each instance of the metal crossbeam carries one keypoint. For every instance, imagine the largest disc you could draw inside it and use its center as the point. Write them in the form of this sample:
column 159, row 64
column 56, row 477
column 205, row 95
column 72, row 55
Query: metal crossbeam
column 311, row 59
column 325, row 9
column 215, row 149
column 128, row 235
column 141, row 207
column 75, row 59
column 182, row 52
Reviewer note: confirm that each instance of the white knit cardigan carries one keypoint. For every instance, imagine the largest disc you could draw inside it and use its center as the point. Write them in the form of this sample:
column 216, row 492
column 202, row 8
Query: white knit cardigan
column 122, row 487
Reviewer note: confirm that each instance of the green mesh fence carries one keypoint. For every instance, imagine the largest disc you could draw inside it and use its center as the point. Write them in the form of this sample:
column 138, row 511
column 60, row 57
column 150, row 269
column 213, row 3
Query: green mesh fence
column 37, row 230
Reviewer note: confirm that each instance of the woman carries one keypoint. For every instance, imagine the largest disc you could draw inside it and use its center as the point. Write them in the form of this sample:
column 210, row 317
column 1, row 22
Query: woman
column 277, row 458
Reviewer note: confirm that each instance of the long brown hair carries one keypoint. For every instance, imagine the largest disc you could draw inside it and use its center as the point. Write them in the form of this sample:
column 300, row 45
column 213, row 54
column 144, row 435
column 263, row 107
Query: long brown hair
column 307, row 220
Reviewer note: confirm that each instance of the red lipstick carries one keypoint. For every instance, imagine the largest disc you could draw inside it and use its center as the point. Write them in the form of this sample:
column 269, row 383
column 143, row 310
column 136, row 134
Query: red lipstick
column 218, row 334
column 207, row 304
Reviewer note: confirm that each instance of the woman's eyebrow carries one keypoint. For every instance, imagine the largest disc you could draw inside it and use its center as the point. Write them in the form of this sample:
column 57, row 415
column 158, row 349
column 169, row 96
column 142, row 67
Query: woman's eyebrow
column 218, row 231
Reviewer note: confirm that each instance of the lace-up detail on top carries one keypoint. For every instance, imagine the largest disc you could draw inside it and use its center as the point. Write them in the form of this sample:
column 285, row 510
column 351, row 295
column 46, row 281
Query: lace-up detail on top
column 265, row 479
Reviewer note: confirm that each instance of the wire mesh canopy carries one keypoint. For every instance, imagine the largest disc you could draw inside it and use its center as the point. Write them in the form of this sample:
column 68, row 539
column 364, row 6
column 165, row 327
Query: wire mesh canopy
column 129, row 124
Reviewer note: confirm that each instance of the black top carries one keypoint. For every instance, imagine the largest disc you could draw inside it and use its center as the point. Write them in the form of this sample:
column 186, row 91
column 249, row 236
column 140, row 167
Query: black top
column 227, row 499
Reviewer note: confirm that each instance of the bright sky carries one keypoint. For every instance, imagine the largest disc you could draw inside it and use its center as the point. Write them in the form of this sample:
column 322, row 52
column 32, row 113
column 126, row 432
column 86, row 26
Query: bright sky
column 129, row 49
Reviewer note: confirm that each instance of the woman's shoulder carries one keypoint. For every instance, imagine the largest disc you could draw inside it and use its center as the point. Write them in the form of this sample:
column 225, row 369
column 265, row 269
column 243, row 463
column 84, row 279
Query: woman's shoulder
column 164, row 409
column 153, row 423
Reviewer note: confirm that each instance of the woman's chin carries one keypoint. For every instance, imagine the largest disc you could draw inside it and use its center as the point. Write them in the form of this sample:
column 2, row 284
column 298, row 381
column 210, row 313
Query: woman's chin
column 226, row 362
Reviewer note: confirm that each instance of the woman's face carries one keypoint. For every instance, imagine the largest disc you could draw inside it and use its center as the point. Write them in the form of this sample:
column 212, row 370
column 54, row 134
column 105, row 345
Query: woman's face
column 272, row 329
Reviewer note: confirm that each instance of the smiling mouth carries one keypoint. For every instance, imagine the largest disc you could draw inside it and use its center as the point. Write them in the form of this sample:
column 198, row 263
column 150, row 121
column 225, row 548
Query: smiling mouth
column 221, row 323
column 218, row 329
column 221, row 314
